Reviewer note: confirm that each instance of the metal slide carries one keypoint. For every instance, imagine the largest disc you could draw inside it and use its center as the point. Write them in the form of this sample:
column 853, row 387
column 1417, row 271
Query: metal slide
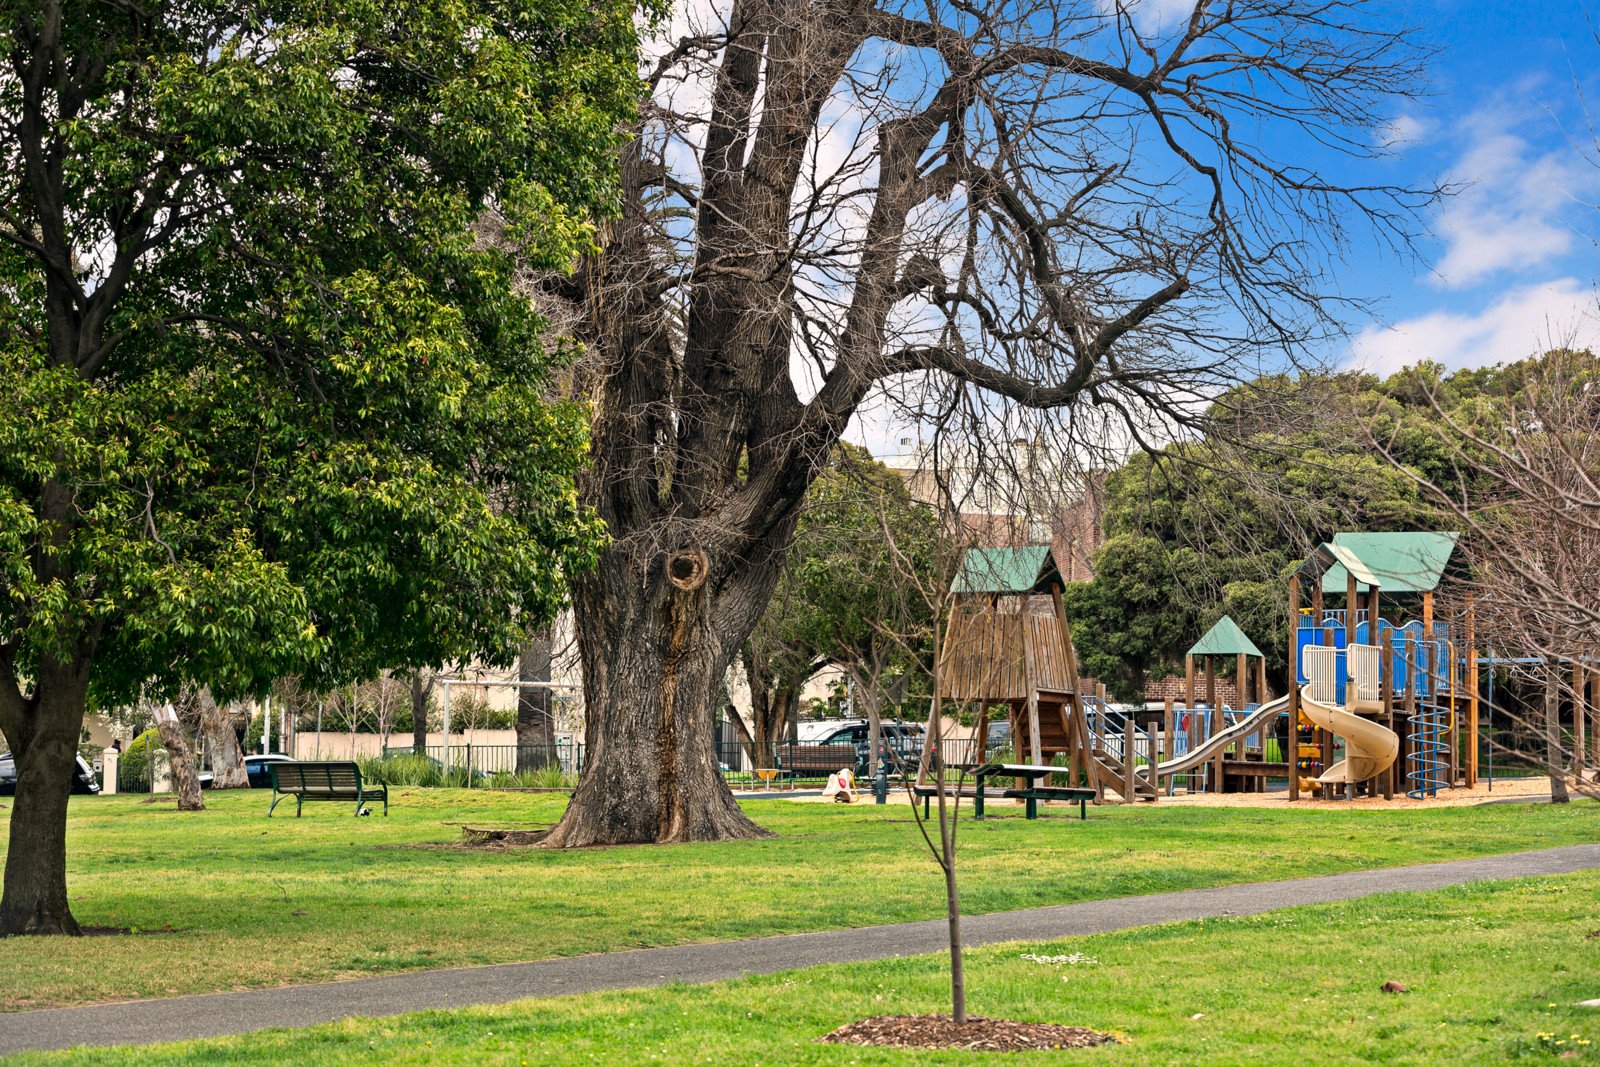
column 1200, row 753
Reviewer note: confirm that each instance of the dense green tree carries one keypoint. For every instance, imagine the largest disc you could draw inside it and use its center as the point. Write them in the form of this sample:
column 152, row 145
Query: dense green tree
column 853, row 593
column 267, row 406
column 1213, row 526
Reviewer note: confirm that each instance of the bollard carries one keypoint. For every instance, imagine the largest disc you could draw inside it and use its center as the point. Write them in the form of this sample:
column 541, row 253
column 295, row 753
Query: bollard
column 880, row 782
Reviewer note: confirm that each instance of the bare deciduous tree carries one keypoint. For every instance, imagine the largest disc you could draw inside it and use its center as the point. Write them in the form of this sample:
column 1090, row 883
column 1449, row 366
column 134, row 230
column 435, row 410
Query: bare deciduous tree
column 1526, row 496
column 1049, row 205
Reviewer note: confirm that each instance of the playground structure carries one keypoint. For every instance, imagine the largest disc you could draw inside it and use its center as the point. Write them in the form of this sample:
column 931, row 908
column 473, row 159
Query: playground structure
column 1403, row 697
column 1376, row 705
column 1006, row 645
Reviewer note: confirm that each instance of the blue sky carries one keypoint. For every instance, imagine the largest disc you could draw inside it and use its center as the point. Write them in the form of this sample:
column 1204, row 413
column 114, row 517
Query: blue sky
column 1510, row 262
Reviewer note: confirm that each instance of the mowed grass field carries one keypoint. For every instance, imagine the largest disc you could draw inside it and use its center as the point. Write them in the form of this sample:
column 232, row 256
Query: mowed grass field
column 228, row 899
column 1494, row 969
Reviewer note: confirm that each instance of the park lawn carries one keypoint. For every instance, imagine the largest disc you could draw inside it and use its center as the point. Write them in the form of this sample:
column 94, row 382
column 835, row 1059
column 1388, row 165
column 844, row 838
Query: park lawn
column 227, row 899
column 1494, row 971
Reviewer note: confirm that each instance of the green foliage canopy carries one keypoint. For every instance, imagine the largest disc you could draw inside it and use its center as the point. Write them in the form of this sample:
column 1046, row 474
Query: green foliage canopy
column 267, row 404
column 1214, row 526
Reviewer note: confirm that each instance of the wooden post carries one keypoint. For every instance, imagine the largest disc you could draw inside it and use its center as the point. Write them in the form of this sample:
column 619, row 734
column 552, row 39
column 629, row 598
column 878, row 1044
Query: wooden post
column 1035, row 755
column 1193, row 729
column 1261, row 680
column 1351, row 607
column 1472, row 693
column 1291, row 741
column 1241, row 680
column 1211, row 683
column 1130, row 791
column 1167, row 743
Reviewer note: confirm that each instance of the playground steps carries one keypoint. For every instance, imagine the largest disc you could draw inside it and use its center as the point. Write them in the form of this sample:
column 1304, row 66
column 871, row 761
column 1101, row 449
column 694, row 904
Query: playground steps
column 1111, row 775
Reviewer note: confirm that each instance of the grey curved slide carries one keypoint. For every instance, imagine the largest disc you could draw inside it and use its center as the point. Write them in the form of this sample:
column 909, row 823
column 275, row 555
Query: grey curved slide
column 1217, row 741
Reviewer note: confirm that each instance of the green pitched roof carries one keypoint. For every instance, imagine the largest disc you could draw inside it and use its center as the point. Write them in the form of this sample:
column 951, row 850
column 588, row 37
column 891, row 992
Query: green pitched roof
column 1225, row 639
column 1408, row 562
column 1029, row 569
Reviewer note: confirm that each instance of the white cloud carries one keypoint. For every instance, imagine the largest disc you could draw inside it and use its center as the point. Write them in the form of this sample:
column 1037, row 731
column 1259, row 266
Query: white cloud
column 1152, row 16
column 1514, row 208
column 1403, row 131
column 1521, row 323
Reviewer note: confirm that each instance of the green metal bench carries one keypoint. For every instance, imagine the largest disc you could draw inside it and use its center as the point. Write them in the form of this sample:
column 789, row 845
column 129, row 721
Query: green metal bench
column 324, row 781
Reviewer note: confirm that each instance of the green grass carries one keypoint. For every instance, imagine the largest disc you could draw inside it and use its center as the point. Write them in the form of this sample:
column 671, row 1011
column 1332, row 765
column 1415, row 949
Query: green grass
column 1494, row 971
column 232, row 892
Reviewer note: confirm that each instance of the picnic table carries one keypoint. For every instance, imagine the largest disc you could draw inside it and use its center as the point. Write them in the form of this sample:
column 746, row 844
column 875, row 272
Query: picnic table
column 1032, row 793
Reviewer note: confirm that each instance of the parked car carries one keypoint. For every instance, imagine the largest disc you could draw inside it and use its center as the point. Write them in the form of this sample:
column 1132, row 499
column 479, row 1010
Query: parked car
column 255, row 768
column 83, row 779
column 904, row 739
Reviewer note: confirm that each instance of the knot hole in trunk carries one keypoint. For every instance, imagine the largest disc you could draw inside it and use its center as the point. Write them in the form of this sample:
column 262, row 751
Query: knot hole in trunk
column 687, row 568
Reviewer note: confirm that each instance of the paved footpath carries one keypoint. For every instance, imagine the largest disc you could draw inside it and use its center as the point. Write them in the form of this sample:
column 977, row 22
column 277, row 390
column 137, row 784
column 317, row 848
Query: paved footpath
column 212, row 1015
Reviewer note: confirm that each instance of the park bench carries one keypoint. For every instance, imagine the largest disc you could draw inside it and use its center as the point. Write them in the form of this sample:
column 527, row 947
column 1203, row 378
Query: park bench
column 324, row 781
column 815, row 761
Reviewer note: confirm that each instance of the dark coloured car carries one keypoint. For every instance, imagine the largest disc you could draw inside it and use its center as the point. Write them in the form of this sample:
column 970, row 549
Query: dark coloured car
column 83, row 779
column 255, row 768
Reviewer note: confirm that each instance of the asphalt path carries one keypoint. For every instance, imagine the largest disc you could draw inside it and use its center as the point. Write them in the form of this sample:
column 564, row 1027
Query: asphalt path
column 217, row 1014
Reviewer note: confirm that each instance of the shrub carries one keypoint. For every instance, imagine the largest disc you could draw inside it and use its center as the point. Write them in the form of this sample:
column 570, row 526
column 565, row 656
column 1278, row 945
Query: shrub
column 134, row 765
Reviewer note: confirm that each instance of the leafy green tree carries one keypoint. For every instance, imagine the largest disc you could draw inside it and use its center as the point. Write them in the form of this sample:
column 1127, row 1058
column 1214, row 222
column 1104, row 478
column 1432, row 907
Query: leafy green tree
column 849, row 593
column 267, row 405
column 1213, row 526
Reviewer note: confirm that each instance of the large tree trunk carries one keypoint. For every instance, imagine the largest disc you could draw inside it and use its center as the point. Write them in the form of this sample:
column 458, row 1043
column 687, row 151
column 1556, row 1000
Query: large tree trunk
column 654, row 654
column 419, row 711
column 43, row 733
column 536, row 726
column 227, row 758
column 184, row 777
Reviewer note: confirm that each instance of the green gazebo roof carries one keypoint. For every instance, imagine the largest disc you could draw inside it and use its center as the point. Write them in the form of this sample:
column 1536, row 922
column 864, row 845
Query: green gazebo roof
column 1007, row 571
column 1407, row 562
column 1225, row 639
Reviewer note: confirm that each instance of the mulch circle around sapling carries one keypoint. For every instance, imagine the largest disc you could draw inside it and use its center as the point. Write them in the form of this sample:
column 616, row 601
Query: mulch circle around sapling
column 976, row 1035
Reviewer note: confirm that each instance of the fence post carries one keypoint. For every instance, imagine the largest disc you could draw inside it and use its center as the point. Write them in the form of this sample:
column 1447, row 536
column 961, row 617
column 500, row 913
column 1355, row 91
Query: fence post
column 469, row 761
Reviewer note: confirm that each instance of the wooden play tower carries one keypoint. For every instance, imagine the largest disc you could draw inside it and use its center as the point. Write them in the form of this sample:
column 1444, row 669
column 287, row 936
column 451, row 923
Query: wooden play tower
column 1007, row 644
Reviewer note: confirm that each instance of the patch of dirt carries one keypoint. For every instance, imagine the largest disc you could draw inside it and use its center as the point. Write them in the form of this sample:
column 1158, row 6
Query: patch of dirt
column 123, row 931
column 976, row 1035
column 502, row 837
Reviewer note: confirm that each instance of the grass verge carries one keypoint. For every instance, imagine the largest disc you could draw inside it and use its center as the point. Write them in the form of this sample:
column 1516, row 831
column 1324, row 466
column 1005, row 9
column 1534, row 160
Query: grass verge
column 358, row 897
column 1494, row 970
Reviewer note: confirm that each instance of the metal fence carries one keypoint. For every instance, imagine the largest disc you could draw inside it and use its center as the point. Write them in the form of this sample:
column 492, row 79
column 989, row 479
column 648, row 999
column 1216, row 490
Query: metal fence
column 552, row 766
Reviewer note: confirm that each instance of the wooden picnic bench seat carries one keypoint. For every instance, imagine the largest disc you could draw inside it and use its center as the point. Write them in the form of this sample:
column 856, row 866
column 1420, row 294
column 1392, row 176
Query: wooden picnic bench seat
column 324, row 781
column 1033, row 794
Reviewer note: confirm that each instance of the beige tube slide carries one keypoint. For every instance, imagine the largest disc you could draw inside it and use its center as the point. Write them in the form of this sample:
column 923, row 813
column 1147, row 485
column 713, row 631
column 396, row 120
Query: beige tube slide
column 1369, row 747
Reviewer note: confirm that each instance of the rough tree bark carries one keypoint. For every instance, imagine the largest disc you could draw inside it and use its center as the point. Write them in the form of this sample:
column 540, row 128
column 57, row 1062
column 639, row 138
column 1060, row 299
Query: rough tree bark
column 421, row 687
column 1084, row 280
column 218, row 723
column 654, row 660
column 536, row 725
column 43, row 730
column 1555, row 762
column 185, row 779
